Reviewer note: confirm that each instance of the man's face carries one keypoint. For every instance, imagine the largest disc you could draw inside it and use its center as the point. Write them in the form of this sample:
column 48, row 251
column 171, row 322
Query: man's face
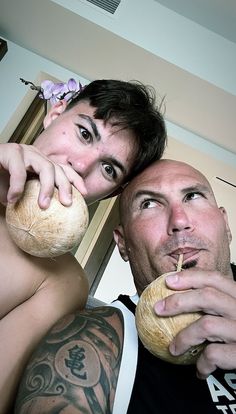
column 101, row 154
column 170, row 209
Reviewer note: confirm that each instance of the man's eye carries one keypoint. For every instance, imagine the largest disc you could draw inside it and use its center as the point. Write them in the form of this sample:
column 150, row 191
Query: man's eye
column 85, row 134
column 193, row 196
column 148, row 204
column 109, row 170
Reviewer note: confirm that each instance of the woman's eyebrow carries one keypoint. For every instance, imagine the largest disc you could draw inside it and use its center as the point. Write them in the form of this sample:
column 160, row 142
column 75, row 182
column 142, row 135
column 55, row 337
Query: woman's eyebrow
column 92, row 124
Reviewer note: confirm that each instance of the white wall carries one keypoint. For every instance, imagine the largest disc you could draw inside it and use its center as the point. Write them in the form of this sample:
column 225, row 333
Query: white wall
column 168, row 35
column 116, row 279
column 16, row 97
column 19, row 62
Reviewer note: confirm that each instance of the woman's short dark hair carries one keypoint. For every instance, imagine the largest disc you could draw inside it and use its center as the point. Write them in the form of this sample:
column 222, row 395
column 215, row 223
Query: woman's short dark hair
column 129, row 105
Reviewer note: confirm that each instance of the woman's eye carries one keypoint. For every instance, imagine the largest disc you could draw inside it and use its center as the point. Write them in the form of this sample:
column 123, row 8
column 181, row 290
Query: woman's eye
column 109, row 170
column 85, row 134
column 148, row 204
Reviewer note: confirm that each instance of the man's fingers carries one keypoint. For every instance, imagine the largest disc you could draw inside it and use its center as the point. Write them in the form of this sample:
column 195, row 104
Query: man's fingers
column 19, row 159
column 50, row 175
column 214, row 356
column 198, row 278
column 75, row 179
column 208, row 300
column 206, row 328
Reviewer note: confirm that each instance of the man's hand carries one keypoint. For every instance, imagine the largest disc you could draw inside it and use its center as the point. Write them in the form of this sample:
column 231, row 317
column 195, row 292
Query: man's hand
column 215, row 295
column 16, row 160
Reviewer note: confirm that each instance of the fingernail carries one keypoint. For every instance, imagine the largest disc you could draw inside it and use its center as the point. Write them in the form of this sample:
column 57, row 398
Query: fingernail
column 12, row 200
column 159, row 306
column 172, row 278
column 67, row 199
column 172, row 349
column 45, row 202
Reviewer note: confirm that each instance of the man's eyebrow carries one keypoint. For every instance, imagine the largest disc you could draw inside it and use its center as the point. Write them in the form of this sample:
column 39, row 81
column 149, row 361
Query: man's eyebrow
column 92, row 124
column 118, row 164
column 113, row 160
column 152, row 193
column 196, row 187
column 149, row 193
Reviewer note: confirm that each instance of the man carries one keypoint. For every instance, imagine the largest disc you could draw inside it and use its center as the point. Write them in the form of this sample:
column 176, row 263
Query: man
column 107, row 134
column 92, row 362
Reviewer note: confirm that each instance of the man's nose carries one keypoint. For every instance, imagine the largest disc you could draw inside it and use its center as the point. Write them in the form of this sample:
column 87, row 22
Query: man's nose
column 85, row 163
column 179, row 220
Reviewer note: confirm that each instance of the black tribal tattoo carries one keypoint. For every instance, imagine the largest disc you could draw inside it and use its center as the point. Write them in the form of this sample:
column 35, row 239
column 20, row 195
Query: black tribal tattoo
column 75, row 368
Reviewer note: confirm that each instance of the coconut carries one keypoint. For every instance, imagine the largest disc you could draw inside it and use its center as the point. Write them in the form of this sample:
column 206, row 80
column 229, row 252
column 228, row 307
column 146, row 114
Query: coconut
column 50, row 232
column 156, row 332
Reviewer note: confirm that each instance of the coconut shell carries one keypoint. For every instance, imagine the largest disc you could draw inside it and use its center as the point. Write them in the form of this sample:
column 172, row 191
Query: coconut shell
column 46, row 233
column 156, row 332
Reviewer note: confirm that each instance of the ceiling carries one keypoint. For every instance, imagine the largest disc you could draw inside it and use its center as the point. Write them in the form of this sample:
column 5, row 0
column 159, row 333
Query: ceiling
column 218, row 16
column 92, row 51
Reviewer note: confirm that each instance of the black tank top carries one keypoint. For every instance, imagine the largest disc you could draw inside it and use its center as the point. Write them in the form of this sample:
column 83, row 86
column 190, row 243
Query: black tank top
column 164, row 388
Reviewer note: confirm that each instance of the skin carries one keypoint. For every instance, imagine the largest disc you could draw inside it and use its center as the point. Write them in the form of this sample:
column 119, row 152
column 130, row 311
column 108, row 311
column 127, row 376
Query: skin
column 75, row 148
column 167, row 210
column 36, row 292
column 162, row 211
column 85, row 383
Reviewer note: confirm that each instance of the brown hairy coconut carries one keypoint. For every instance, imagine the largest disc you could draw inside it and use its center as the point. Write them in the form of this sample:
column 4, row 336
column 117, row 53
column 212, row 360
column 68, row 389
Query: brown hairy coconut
column 46, row 233
column 156, row 332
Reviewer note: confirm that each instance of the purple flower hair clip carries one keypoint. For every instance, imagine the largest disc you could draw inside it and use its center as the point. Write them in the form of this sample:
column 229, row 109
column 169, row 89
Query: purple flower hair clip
column 54, row 92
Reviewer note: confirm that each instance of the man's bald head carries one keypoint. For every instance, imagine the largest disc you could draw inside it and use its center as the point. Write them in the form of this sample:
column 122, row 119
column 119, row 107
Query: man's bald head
column 157, row 169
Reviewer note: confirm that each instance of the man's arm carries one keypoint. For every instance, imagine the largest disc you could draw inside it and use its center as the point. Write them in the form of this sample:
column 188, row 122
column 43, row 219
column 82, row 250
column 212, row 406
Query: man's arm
column 76, row 366
column 64, row 290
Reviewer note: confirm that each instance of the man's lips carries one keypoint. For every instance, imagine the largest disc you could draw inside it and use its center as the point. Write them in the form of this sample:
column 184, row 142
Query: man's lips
column 187, row 252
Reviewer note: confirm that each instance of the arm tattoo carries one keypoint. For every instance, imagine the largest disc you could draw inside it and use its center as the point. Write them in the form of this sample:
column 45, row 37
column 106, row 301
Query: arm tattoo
column 75, row 368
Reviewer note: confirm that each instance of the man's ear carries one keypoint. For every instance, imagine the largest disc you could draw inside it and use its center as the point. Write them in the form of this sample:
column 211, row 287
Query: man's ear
column 118, row 235
column 57, row 109
column 224, row 213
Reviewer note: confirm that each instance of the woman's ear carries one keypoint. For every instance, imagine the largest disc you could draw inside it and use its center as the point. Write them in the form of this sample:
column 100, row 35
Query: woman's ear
column 56, row 110
column 118, row 235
